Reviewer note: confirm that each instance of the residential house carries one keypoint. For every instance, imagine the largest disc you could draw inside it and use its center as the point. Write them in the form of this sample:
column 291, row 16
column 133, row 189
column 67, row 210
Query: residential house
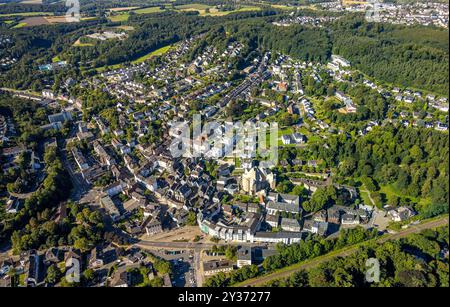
column 283, row 203
column 272, row 220
column 401, row 214
column 290, row 225
column 244, row 256
column 153, row 227
column 121, row 278
column 100, row 256
column 215, row 266
column 350, row 219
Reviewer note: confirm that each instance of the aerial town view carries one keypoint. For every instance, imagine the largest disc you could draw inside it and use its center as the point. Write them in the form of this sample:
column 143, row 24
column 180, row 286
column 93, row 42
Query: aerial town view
column 224, row 143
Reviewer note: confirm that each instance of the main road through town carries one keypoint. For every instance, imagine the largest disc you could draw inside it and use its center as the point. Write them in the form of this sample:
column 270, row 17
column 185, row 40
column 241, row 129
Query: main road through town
column 197, row 246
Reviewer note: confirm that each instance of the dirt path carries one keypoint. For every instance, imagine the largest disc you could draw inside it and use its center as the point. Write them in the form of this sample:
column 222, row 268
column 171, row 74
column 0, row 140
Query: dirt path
column 370, row 196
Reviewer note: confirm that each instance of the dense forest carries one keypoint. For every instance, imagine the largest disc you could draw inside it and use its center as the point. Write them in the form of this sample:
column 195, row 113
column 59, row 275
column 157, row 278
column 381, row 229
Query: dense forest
column 308, row 44
column 415, row 261
column 406, row 56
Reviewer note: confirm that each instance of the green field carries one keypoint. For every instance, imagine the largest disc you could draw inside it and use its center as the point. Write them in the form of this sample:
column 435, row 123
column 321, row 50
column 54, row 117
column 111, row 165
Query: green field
column 390, row 190
column 245, row 8
column 148, row 10
column 111, row 67
column 157, row 52
column 125, row 15
column 120, row 17
column 20, row 25
column 80, row 44
column 201, row 9
column 27, row 14
column 283, row 7
column 285, row 131
column 88, row 18
column 193, row 6
column 365, row 198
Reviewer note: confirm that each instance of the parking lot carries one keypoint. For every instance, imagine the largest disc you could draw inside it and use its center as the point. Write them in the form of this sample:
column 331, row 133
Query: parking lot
column 183, row 266
column 380, row 220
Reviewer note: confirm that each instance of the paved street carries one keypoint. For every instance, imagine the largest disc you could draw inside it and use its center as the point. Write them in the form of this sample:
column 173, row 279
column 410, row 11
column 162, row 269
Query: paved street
column 197, row 246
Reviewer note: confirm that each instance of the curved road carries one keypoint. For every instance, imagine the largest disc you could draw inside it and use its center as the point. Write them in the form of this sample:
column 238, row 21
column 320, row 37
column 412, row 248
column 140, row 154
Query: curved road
column 315, row 262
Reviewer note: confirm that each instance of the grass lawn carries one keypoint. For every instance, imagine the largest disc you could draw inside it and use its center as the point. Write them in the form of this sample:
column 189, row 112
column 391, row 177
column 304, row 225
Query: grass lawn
column 112, row 67
column 56, row 59
column 78, row 43
column 140, row 60
column 246, row 8
column 31, row 1
column 365, row 198
column 121, row 9
column 285, row 131
column 119, row 17
column 200, row 8
column 193, row 6
column 20, row 25
column 157, row 52
column 314, row 138
column 103, row 68
column 282, row 7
